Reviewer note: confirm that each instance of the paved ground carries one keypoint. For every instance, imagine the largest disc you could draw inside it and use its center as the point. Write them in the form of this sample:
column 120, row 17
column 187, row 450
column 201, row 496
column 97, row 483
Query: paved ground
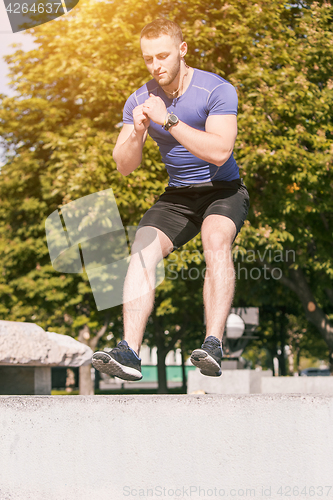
column 269, row 446
column 104, row 386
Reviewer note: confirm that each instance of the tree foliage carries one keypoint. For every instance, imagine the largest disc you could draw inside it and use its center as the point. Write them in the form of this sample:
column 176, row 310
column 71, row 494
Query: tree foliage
column 60, row 129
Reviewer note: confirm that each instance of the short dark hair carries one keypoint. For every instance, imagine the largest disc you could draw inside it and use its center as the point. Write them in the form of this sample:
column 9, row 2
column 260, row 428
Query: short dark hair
column 160, row 27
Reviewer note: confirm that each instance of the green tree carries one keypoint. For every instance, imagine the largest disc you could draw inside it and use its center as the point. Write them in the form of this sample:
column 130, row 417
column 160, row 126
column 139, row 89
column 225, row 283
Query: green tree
column 285, row 146
column 279, row 56
column 60, row 128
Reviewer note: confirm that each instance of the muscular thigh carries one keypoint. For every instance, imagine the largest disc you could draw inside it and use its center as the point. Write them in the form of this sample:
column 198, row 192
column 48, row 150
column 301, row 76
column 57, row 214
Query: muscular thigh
column 175, row 218
column 230, row 201
column 152, row 242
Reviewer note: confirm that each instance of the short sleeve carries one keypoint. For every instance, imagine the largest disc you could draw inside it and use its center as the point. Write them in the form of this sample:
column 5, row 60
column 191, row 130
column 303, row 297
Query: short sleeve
column 128, row 109
column 223, row 100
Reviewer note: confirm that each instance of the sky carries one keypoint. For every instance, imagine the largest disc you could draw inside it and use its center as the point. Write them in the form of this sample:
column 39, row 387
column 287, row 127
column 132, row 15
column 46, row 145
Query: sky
column 7, row 38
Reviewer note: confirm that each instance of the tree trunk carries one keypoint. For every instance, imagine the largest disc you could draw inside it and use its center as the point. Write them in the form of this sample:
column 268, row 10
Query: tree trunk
column 298, row 284
column 271, row 359
column 313, row 312
column 298, row 360
column 184, row 372
column 97, row 379
column 86, row 386
column 70, row 380
column 161, row 371
column 331, row 362
column 282, row 338
column 291, row 361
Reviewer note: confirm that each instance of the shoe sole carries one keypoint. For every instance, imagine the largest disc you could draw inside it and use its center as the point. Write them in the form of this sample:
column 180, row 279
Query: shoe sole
column 104, row 363
column 207, row 365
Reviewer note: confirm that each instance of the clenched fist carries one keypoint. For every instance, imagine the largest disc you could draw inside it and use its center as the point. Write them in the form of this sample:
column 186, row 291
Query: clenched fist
column 141, row 119
column 155, row 109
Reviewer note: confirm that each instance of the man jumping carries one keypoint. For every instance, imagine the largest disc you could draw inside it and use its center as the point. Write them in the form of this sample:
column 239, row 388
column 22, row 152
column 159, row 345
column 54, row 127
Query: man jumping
column 191, row 114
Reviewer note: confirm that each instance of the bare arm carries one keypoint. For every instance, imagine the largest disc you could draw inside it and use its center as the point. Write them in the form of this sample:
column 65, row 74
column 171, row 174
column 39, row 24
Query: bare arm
column 213, row 145
column 127, row 152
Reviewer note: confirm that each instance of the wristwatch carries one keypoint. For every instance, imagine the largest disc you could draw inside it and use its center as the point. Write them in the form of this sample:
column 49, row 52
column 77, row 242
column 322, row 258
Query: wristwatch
column 171, row 120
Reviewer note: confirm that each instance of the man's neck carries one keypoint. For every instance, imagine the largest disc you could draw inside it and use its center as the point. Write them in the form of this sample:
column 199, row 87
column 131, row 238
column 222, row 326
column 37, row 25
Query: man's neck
column 181, row 83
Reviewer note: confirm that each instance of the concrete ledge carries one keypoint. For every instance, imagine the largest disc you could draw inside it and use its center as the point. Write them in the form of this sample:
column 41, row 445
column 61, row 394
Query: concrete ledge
column 231, row 382
column 303, row 385
column 115, row 447
column 257, row 382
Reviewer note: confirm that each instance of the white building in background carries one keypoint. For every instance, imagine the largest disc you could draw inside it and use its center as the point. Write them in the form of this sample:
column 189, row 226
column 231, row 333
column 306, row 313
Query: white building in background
column 149, row 357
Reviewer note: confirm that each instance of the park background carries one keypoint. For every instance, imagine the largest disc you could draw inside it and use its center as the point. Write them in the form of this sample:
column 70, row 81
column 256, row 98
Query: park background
column 58, row 126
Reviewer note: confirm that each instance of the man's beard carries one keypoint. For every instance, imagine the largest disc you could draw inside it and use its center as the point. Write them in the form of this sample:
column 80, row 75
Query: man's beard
column 170, row 77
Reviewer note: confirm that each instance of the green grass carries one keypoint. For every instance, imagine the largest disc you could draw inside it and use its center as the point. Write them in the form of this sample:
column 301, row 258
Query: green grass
column 120, row 392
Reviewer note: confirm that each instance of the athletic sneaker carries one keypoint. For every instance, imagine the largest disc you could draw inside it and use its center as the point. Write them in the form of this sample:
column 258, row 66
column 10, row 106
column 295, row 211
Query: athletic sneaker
column 121, row 362
column 209, row 357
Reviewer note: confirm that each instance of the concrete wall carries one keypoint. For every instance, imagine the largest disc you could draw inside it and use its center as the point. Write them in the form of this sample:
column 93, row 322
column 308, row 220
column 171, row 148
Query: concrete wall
column 170, row 447
column 231, row 382
column 257, row 382
column 304, row 385
column 25, row 380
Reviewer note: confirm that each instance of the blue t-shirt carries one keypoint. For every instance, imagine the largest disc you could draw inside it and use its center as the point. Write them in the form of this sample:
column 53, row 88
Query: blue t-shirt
column 207, row 94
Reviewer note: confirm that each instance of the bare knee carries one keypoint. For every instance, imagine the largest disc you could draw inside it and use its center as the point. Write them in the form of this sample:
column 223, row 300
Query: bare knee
column 152, row 242
column 218, row 233
column 148, row 247
column 217, row 248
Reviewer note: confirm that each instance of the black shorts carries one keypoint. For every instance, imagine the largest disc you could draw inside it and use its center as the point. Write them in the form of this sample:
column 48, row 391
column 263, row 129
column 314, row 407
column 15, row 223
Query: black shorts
column 180, row 211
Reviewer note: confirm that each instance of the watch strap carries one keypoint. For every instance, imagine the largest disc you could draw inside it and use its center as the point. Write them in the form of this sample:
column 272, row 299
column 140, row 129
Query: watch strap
column 169, row 123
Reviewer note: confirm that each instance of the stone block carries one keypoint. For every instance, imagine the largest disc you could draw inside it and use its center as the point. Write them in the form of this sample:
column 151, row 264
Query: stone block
column 27, row 354
column 23, row 344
